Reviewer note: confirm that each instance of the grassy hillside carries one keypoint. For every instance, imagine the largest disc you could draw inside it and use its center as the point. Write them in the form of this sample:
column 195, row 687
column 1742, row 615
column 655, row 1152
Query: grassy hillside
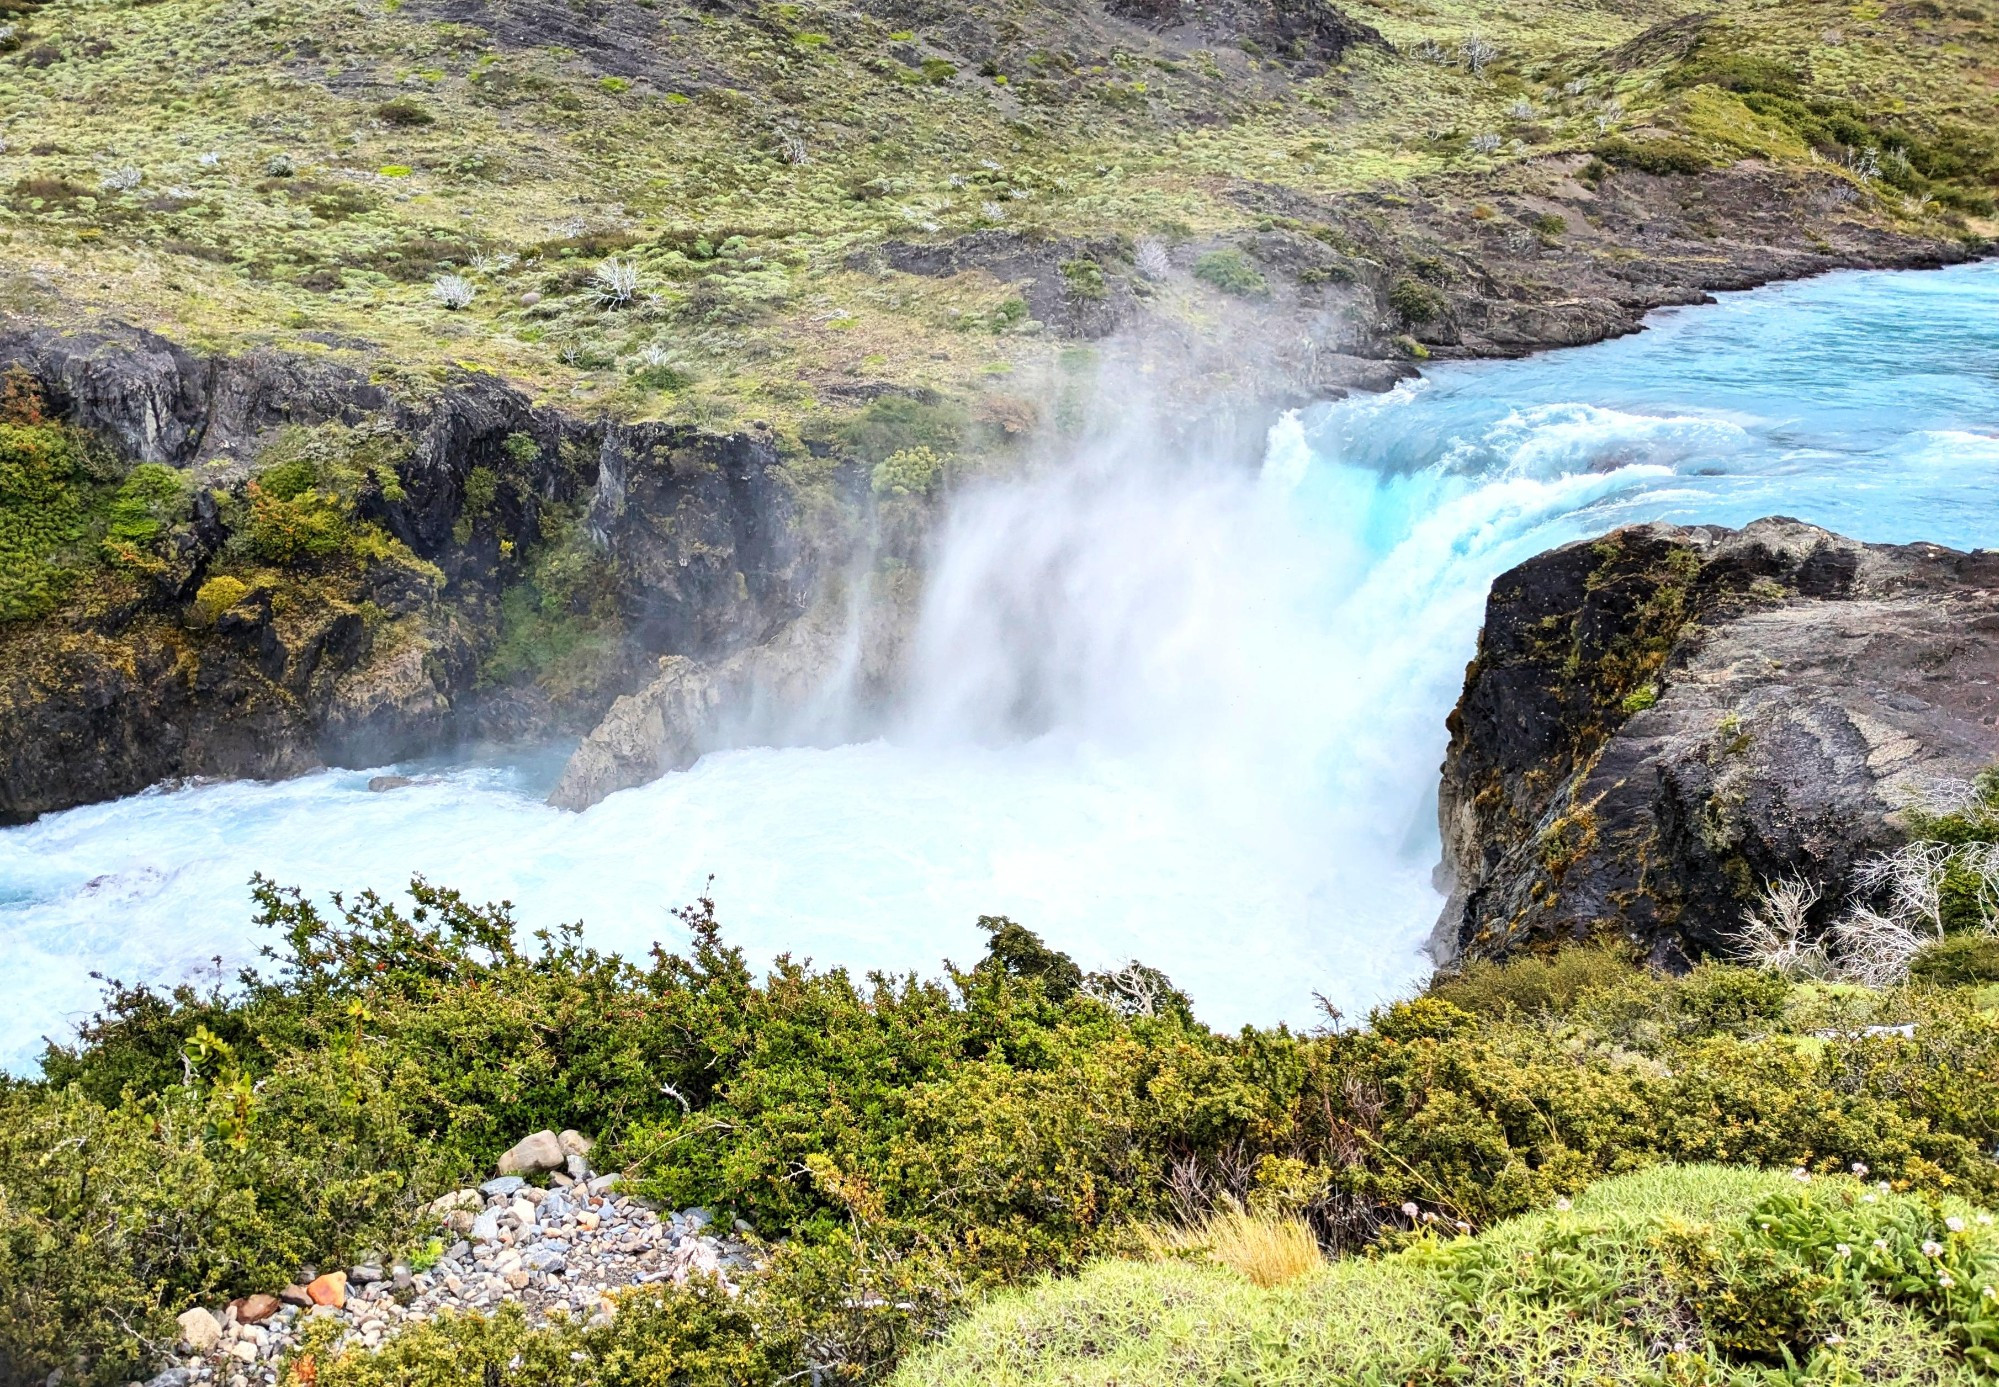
column 1685, row 1274
column 334, row 176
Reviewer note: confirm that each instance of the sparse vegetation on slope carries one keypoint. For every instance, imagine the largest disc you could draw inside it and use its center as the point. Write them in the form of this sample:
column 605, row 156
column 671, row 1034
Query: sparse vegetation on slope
column 430, row 185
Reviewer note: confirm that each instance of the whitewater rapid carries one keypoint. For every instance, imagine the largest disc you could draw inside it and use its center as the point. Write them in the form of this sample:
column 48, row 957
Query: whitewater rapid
column 1164, row 709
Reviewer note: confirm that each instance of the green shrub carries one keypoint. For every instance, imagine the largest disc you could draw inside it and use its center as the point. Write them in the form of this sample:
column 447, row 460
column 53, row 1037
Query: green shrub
column 404, row 111
column 1416, row 302
column 660, row 1338
column 1958, row 960
column 1535, row 985
column 897, row 422
column 1663, row 155
column 1230, row 271
column 310, row 525
column 521, row 449
column 44, row 516
column 1715, row 65
column 910, row 472
column 929, row 1140
column 151, row 499
column 217, row 596
column 1084, row 279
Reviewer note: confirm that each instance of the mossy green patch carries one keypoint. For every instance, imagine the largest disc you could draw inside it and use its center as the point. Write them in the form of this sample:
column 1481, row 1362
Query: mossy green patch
column 46, row 495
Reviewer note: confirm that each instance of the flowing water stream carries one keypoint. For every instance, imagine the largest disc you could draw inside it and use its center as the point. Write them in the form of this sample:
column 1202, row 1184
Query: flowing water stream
column 1172, row 711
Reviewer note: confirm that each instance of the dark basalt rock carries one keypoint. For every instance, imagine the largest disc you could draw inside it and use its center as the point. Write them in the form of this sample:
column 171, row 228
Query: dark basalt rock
column 705, row 534
column 1660, row 721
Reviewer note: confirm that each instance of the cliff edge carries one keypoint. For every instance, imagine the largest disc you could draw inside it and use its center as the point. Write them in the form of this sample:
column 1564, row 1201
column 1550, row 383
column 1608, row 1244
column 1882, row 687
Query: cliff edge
column 1661, row 721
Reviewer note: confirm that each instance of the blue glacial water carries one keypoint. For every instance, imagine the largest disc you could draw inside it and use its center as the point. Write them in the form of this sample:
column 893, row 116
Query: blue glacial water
column 1161, row 709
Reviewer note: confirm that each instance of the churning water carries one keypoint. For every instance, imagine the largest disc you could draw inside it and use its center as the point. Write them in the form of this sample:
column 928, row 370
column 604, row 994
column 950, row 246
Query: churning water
column 1171, row 711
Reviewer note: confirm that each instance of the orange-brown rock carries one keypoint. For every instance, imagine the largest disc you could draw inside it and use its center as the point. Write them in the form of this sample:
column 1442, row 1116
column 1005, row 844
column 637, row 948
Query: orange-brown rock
column 255, row 1309
column 330, row 1289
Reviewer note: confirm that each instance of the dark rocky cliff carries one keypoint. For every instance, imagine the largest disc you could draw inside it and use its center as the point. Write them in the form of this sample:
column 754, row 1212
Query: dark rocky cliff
column 1660, row 721
column 379, row 648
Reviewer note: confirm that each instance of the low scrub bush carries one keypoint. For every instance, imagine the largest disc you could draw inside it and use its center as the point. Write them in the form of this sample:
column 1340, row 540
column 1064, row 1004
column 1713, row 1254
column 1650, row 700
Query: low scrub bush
column 45, row 515
column 1416, row 302
column 904, row 1143
column 1230, row 271
column 1661, row 156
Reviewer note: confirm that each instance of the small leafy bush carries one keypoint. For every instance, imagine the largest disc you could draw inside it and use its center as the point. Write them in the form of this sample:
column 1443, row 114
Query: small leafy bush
column 1958, row 960
column 1416, row 302
column 404, row 111
column 217, row 596
column 1084, row 279
column 45, row 503
column 1230, row 271
column 910, row 472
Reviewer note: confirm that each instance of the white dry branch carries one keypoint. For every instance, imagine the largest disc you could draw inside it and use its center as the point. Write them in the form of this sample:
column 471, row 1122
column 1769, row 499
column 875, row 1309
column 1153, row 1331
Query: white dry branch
column 1152, row 261
column 1131, row 988
column 1774, row 933
column 1876, row 948
column 617, row 282
column 453, row 292
column 1477, row 53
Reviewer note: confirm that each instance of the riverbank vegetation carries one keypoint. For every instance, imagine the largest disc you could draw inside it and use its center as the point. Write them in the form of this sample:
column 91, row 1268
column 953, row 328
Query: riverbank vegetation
column 902, row 1147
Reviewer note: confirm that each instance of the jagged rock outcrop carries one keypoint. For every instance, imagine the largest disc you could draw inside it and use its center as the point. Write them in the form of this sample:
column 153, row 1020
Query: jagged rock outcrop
column 1294, row 28
column 1660, row 721
column 375, row 652
column 156, row 401
column 706, row 534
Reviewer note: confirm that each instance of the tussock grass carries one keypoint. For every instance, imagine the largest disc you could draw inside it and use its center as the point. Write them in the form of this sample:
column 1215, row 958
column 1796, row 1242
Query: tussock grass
column 1268, row 1249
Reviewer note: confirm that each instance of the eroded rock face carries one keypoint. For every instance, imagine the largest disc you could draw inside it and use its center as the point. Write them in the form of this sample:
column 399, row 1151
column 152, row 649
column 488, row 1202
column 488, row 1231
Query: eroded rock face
column 368, row 658
column 1660, row 721
column 703, row 530
column 159, row 402
column 764, row 693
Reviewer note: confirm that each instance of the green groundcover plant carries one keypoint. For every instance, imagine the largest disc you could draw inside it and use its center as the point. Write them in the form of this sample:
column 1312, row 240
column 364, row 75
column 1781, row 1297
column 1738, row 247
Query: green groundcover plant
column 1682, row 1274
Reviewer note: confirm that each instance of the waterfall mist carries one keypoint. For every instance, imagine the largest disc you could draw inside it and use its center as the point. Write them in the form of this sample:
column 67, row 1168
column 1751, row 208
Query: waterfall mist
column 1154, row 702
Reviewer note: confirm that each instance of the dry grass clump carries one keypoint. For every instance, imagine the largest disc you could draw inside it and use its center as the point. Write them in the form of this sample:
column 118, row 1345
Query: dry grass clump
column 1266, row 1248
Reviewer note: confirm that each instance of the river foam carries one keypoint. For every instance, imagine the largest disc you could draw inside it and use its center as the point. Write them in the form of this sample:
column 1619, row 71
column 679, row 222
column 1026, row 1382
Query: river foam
column 1163, row 709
